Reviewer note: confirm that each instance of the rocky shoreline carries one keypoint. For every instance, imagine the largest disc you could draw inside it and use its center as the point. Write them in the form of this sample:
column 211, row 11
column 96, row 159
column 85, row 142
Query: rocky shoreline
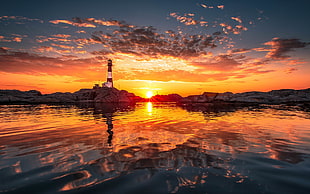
column 113, row 95
column 271, row 97
column 98, row 95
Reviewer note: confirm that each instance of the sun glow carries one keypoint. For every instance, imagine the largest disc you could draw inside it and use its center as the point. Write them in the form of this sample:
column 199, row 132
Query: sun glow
column 149, row 94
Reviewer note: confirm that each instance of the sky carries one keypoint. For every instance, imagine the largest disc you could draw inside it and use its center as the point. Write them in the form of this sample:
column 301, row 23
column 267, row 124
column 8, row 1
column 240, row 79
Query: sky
column 159, row 46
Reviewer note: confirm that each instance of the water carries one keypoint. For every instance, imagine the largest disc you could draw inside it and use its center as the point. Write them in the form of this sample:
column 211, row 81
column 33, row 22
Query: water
column 154, row 148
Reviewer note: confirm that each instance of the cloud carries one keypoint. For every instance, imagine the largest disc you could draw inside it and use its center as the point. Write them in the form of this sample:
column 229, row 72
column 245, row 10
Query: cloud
column 227, row 29
column 73, row 23
column 81, row 32
column 280, row 47
column 62, row 46
column 17, row 39
column 176, row 75
column 211, row 7
column 237, row 19
column 63, row 38
column 101, row 22
column 3, row 50
column 34, row 64
column 218, row 63
column 62, row 35
column 232, row 66
column 19, row 19
column 206, row 6
column 220, row 7
column 290, row 70
column 13, row 38
column 146, row 41
column 187, row 19
column 90, row 22
column 239, row 51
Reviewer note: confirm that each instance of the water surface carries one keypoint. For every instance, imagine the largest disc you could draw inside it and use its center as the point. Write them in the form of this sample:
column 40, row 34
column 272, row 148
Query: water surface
column 154, row 148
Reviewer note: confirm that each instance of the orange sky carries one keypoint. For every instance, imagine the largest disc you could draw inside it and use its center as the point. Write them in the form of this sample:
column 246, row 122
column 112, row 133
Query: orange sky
column 161, row 80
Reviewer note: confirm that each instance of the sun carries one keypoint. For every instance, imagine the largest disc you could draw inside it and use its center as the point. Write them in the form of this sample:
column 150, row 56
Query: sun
column 149, row 94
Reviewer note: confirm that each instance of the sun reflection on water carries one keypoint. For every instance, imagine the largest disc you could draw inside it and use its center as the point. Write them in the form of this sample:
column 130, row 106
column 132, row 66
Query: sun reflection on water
column 149, row 107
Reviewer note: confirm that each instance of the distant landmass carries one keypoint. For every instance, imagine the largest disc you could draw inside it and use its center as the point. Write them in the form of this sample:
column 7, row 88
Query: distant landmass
column 113, row 95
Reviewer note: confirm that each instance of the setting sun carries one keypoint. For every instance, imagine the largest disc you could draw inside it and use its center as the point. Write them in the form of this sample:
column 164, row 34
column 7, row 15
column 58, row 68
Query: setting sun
column 149, row 94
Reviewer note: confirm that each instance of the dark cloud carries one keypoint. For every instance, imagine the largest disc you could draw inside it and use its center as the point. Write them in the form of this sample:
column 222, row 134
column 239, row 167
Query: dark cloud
column 146, row 41
column 240, row 50
column 3, row 50
column 279, row 47
column 291, row 70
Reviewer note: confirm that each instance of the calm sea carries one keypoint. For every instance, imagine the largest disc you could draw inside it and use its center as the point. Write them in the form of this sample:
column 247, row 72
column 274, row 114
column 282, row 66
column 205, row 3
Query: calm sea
column 154, row 148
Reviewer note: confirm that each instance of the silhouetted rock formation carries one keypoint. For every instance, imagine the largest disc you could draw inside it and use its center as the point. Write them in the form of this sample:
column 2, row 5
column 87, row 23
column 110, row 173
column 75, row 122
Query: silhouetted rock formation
column 111, row 95
column 272, row 97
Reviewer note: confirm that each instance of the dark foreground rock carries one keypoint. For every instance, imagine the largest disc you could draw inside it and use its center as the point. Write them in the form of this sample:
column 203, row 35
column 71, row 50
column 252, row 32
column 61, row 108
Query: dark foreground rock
column 110, row 95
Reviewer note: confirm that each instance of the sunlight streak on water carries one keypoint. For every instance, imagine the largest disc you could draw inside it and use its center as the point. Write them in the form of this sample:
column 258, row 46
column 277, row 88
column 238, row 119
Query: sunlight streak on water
column 161, row 147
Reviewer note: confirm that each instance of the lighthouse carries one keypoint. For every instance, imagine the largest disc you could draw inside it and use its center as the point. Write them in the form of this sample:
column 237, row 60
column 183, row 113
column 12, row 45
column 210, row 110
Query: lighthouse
column 109, row 82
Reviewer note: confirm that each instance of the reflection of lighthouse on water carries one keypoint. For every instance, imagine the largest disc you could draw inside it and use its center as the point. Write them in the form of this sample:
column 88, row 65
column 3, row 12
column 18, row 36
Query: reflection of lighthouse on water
column 109, row 123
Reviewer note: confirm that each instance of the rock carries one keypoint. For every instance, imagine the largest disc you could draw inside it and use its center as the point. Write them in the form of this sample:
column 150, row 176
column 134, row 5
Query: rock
column 253, row 97
column 272, row 97
column 166, row 98
column 33, row 93
column 61, row 97
column 111, row 95
column 190, row 99
column 84, row 95
column 224, row 96
column 13, row 96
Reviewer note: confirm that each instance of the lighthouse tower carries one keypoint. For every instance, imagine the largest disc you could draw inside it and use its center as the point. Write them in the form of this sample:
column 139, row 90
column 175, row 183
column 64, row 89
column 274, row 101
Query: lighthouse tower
column 109, row 82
